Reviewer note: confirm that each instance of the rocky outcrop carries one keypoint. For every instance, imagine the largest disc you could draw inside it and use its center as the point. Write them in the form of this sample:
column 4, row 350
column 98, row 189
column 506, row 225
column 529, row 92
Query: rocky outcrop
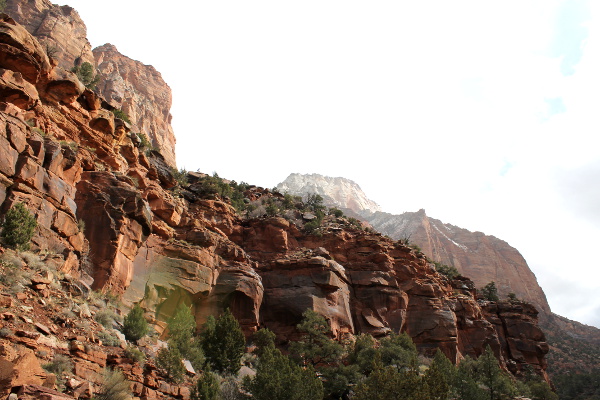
column 481, row 257
column 126, row 84
column 336, row 192
column 107, row 209
column 59, row 29
column 140, row 92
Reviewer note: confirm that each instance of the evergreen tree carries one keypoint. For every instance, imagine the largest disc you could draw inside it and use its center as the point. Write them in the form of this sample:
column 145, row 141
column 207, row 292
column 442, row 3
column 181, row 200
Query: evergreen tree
column 398, row 350
column 135, row 325
column 18, row 227
column 223, row 343
column 169, row 359
column 364, row 354
column 464, row 385
column 279, row 378
column 181, row 329
column 490, row 292
column 206, row 387
column 315, row 347
column 498, row 384
column 86, row 74
column 439, row 377
column 388, row 383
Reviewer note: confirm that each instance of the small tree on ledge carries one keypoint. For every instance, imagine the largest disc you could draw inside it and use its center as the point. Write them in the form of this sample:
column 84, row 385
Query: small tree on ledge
column 490, row 292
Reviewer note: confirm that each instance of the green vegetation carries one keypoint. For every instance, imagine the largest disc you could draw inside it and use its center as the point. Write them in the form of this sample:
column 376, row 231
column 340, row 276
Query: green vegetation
column 211, row 186
column 2, row 5
column 448, row 271
column 223, row 343
column 121, row 115
column 579, row 386
column 135, row 326
column 206, row 387
column 490, row 292
column 59, row 366
column 279, row 378
column 181, row 176
column 114, row 386
column 86, row 74
column 18, row 227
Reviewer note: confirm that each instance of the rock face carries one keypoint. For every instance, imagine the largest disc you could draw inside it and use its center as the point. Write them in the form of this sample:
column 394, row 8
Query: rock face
column 337, row 192
column 113, row 215
column 140, row 92
column 59, row 29
column 126, row 84
column 481, row 257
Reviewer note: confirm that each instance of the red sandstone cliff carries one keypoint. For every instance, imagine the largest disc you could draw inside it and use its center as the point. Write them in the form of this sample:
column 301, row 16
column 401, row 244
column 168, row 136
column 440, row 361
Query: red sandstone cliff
column 141, row 93
column 69, row 160
column 126, row 84
column 59, row 29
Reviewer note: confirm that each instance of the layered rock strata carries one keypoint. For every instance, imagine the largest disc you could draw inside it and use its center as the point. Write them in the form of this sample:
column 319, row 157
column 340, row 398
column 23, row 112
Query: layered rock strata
column 126, row 84
column 115, row 217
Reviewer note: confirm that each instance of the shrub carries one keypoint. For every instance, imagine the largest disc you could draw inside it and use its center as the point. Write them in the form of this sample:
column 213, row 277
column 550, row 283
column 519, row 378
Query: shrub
column 106, row 318
column 121, row 115
column 449, row 271
column 5, row 332
column 170, row 361
column 490, row 292
column 109, row 339
column 337, row 212
column 135, row 326
column 144, row 141
column 58, row 366
column 180, row 176
column 2, row 5
column 114, row 386
column 18, row 227
column 135, row 354
column 86, row 74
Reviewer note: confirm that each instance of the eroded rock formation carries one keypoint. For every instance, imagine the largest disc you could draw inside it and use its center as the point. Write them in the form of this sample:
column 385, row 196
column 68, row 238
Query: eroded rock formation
column 140, row 92
column 115, row 217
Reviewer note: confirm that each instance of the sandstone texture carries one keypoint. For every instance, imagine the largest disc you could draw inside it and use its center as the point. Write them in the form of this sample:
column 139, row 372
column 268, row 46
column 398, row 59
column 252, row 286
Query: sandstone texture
column 126, row 84
column 481, row 257
column 59, row 29
column 112, row 216
column 140, row 92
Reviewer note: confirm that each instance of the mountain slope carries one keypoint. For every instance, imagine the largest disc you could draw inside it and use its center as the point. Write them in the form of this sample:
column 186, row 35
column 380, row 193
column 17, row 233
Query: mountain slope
column 483, row 258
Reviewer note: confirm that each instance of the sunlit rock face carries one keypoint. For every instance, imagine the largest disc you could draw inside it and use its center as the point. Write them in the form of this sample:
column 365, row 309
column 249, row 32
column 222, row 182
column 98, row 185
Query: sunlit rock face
column 109, row 213
column 59, row 29
column 126, row 84
column 483, row 258
column 140, row 92
column 337, row 192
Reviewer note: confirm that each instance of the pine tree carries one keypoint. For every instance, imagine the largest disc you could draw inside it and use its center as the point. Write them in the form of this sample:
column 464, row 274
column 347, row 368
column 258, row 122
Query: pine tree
column 18, row 227
column 316, row 346
column 439, row 377
column 498, row 384
column 279, row 378
column 206, row 387
column 135, row 325
column 223, row 343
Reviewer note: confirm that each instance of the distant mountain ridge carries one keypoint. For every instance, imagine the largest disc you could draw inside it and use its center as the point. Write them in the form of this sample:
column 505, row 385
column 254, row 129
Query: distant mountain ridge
column 483, row 258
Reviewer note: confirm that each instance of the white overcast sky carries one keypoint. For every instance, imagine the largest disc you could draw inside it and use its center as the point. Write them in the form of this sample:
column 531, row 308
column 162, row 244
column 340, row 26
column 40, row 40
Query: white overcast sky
column 485, row 113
